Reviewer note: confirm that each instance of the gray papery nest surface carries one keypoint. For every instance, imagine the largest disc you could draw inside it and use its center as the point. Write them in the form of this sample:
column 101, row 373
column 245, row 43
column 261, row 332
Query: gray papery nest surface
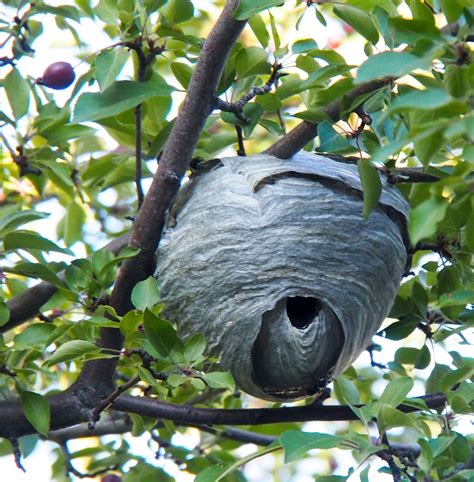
column 273, row 262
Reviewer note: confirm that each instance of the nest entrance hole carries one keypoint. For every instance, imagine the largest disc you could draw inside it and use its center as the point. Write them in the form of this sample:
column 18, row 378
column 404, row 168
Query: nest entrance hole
column 302, row 310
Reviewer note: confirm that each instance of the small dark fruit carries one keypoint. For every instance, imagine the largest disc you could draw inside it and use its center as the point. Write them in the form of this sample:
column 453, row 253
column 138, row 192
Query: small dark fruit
column 59, row 75
column 111, row 478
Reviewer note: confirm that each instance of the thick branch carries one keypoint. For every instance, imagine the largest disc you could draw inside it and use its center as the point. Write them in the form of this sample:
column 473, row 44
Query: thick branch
column 177, row 154
column 258, row 416
column 297, row 138
column 26, row 305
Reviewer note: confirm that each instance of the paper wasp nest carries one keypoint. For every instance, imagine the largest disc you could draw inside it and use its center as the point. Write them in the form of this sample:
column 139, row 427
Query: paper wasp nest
column 273, row 262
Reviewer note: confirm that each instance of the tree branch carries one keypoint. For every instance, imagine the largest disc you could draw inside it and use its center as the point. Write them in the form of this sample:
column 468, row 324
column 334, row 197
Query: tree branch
column 257, row 416
column 237, row 107
column 297, row 138
column 177, row 154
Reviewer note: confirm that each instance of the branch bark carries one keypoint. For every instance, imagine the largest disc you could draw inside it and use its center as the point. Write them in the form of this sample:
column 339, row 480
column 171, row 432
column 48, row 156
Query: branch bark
column 306, row 131
column 177, row 155
column 258, row 416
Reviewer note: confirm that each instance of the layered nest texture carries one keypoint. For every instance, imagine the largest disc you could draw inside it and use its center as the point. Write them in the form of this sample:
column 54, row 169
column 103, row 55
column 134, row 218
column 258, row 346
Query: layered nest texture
column 273, row 262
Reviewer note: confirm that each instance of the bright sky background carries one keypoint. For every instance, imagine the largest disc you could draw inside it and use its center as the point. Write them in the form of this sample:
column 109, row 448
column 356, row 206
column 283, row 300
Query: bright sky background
column 56, row 46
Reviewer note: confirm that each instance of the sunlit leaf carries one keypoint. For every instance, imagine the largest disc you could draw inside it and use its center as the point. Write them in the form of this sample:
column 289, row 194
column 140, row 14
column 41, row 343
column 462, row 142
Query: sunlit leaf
column 122, row 95
column 296, row 443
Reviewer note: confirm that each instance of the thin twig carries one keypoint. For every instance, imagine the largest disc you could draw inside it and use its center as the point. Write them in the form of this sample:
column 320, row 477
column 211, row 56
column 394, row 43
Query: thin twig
column 240, row 141
column 237, row 107
column 107, row 402
column 138, row 155
column 16, row 453
column 144, row 61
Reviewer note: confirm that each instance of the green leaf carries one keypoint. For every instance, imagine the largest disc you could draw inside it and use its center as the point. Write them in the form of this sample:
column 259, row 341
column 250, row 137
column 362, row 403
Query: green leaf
column 458, row 297
column 346, row 390
column 423, row 359
column 424, row 219
column 216, row 474
column 12, row 220
column 73, row 223
column 72, row 350
column 360, row 20
column 18, row 93
column 275, row 36
column 177, row 11
column 451, row 9
column 303, row 45
column 210, row 474
column 249, row 8
column 457, row 79
column 145, row 294
column 35, row 335
column 252, row 61
column 30, row 240
column 409, row 31
column 330, row 140
column 391, row 417
column 130, row 322
column 4, row 313
column 296, row 443
column 108, row 65
column 36, row 410
column 147, row 377
column 101, row 258
column 396, row 391
column 315, row 116
column 176, row 380
column 389, row 64
column 434, row 380
column 371, row 185
column 107, row 11
column 35, row 270
column 182, row 72
column 260, row 30
column 159, row 332
column 419, row 358
column 460, row 450
column 119, row 97
column 454, row 377
column 428, row 99
column 126, row 253
column 195, row 347
column 220, row 380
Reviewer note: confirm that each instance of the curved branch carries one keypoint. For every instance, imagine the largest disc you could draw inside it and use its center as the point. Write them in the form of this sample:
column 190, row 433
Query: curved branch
column 253, row 416
column 177, row 154
column 26, row 305
column 306, row 131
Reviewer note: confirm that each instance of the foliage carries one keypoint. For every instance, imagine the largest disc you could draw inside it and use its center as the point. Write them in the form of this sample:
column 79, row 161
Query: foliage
column 69, row 178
